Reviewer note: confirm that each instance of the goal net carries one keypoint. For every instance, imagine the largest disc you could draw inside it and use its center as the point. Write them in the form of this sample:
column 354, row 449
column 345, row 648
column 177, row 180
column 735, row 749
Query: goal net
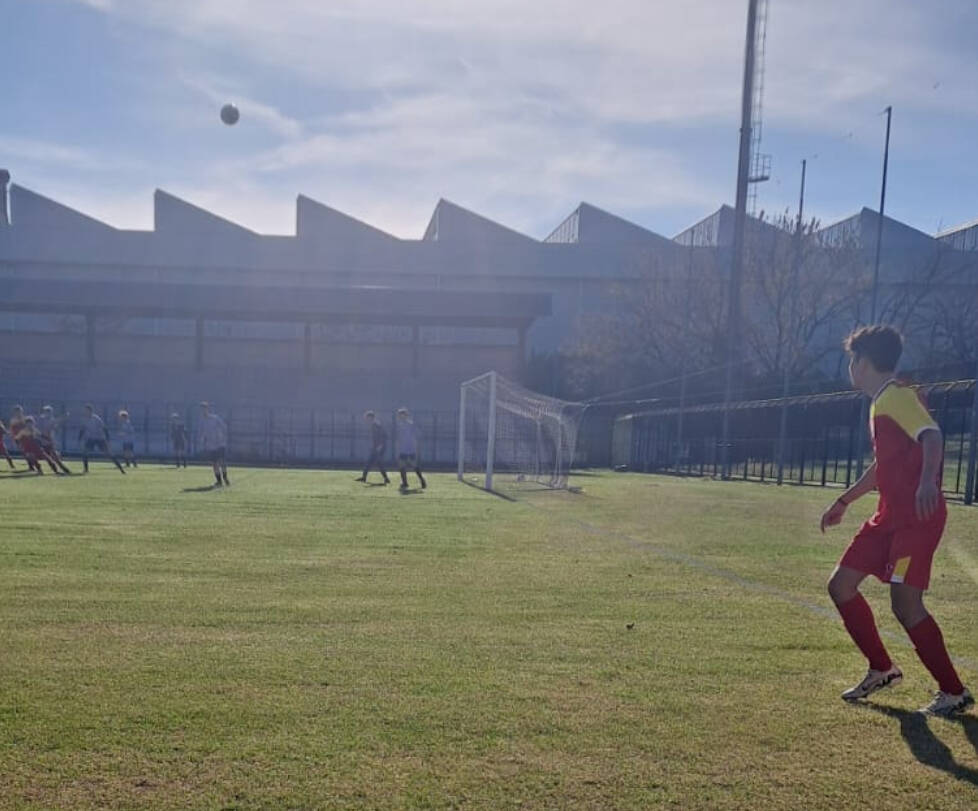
column 508, row 430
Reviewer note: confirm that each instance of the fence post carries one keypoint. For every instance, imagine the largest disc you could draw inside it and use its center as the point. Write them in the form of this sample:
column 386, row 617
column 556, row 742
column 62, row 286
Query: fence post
column 146, row 430
column 312, row 435
column 825, row 459
column 849, row 460
column 353, row 436
column 228, row 424
column 269, row 427
column 970, row 484
column 434, row 437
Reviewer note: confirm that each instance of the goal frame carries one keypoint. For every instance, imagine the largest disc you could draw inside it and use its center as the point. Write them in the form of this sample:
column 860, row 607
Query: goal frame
column 491, row 427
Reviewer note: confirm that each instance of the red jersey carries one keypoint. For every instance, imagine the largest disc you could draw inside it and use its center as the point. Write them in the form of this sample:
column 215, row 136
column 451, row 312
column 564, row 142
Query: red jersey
column 898, row 418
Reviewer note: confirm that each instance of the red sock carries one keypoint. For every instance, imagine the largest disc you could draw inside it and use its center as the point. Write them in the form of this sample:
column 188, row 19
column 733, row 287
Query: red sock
column 857, row 616
column 929, row 641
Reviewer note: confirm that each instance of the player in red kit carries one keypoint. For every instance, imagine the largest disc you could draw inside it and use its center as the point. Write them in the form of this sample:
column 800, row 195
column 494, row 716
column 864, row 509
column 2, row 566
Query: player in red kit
column 897, row 544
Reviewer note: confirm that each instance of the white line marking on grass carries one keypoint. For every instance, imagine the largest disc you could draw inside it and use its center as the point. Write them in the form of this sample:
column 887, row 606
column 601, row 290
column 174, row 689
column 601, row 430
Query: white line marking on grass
column 751, row 585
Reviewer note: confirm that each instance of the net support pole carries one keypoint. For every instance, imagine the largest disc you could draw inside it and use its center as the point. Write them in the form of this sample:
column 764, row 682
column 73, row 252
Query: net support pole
column 491, row 440
column 461, row 433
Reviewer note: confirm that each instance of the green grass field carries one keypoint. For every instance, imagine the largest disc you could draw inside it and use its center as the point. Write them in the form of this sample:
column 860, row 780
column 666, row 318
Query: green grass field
column 303, row 641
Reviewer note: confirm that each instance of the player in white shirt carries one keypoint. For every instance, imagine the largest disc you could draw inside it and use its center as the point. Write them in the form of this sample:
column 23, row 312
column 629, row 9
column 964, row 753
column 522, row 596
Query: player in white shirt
column 212, row 442
column 127, row 432
column 95, row 437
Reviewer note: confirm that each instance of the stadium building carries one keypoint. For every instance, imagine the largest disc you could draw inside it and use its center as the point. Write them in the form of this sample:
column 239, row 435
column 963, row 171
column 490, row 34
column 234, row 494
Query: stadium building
column 340, row 315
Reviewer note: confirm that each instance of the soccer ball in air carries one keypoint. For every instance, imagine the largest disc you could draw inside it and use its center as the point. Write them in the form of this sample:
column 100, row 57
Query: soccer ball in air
column 230, row 114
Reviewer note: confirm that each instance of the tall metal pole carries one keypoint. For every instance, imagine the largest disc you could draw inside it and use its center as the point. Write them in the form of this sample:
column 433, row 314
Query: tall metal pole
column 685, row 367
column 740, row 219
column 789, row 358
column 864, row 408
column 879, row 224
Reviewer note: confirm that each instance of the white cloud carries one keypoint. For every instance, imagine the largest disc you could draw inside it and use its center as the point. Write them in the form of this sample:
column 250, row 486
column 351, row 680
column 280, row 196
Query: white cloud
column 51, row 153
column 516, row 108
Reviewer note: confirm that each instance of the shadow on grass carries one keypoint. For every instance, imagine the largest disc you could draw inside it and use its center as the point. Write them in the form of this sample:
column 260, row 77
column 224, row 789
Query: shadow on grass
column 205, row 489
column 496, row 493
column 21, row 475
column 926, row 746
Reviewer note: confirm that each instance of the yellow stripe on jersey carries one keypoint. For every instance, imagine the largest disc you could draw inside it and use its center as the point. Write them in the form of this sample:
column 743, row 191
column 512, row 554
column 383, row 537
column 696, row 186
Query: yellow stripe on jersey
column 900, row 569
column 902, row 405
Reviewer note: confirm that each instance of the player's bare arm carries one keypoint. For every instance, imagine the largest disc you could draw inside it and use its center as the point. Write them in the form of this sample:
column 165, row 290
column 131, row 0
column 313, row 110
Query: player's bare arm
column 928, row 493
column 837, row 509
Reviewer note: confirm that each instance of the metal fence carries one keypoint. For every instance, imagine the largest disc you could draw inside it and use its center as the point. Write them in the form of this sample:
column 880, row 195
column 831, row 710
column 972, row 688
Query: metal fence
column 822, row 446
column 283, row 435
column 258, row 435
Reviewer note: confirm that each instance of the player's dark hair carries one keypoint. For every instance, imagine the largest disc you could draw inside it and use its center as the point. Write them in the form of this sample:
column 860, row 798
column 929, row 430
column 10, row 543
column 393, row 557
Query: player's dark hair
column 368, row 414
column 89, row 406
column 882, row 344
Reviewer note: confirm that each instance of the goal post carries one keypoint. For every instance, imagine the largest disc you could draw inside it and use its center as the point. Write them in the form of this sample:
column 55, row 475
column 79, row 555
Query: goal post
column 506, row 430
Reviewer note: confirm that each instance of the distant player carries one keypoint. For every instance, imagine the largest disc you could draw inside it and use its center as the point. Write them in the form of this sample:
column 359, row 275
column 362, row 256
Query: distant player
column 407, row 448
column 16, row 429
column 212, row 441
column 47, row 426
column 95, row 438
column 898, row 543
column 3, row 447
column 127, row 432
column 29, row 441
column 178, row 438
column 378, row 446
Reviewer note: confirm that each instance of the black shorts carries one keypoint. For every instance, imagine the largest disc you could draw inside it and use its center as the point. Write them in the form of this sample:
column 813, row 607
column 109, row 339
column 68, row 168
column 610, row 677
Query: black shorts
column 179, row 446
column 96, row 444
column 127, row 446
column 408, row 459
column 216, row 455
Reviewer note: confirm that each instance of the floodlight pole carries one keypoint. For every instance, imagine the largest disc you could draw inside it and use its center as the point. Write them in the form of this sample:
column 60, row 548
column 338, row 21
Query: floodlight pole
column 682, row 380
column 740, row 220
column 864, row 407
column 879, row 224
column 792, row 281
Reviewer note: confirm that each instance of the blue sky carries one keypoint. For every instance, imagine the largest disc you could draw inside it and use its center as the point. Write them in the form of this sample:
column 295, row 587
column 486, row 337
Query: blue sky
column 514, row 109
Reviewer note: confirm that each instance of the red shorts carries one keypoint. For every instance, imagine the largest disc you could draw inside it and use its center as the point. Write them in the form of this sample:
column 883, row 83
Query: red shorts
column 31, row 447
column 896, row 553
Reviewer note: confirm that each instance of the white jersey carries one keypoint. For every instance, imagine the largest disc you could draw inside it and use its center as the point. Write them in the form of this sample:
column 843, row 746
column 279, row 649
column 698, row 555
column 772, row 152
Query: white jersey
column 46, row 425
column 212, row 433
column 407, row 439
column 93, row 428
